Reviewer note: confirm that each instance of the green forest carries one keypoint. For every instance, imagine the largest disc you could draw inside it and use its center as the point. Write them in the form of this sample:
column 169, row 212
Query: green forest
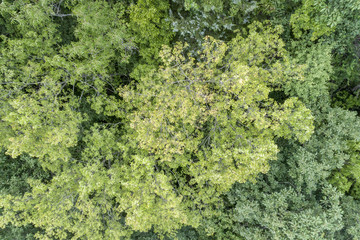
column 179, row 119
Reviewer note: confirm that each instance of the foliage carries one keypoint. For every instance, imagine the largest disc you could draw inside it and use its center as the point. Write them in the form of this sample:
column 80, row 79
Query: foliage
column 337, row 24
column 42, row 87
column 124, row 181
column 294, row 200
column 184, row 111
column 313, row 90
column 347, row 99
column 15, row 172
column 13, row 180
column 151, row 31
column 161, row 119
column 193, row 20
column 351, row 215
column 347, row 179
column 313, row 15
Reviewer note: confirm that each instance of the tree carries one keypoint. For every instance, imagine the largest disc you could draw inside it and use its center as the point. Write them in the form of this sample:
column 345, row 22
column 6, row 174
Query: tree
column 150, row 28
column 168, row 153
column 46, row 84
column 14, row 174
column 193, row 20
column 51, row 91
column 294, row 200
column 209, row 123
column 115, row 130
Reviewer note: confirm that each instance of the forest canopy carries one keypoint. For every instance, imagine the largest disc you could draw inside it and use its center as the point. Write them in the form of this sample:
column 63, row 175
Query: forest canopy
column 179, row 119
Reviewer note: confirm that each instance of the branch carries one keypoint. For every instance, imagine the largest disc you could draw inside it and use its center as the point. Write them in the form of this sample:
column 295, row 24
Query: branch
column 61, row 15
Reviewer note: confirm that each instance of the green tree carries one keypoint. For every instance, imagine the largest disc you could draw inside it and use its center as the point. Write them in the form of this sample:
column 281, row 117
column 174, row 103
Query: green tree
column 14, row 174
column 347, row 178
column 210, row 123
column 185, row 150
column 150, row 30
column 294, row 200
column 174, row 144
column 46, row 84
column 193, row 20
column 51, row 92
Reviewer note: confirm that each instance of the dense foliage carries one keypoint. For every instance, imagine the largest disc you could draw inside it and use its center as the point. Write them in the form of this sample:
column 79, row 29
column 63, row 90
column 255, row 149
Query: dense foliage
column 179, row 119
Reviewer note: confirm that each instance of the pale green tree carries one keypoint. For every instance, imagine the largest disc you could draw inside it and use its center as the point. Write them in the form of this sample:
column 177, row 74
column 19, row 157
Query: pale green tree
column 177, row 139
